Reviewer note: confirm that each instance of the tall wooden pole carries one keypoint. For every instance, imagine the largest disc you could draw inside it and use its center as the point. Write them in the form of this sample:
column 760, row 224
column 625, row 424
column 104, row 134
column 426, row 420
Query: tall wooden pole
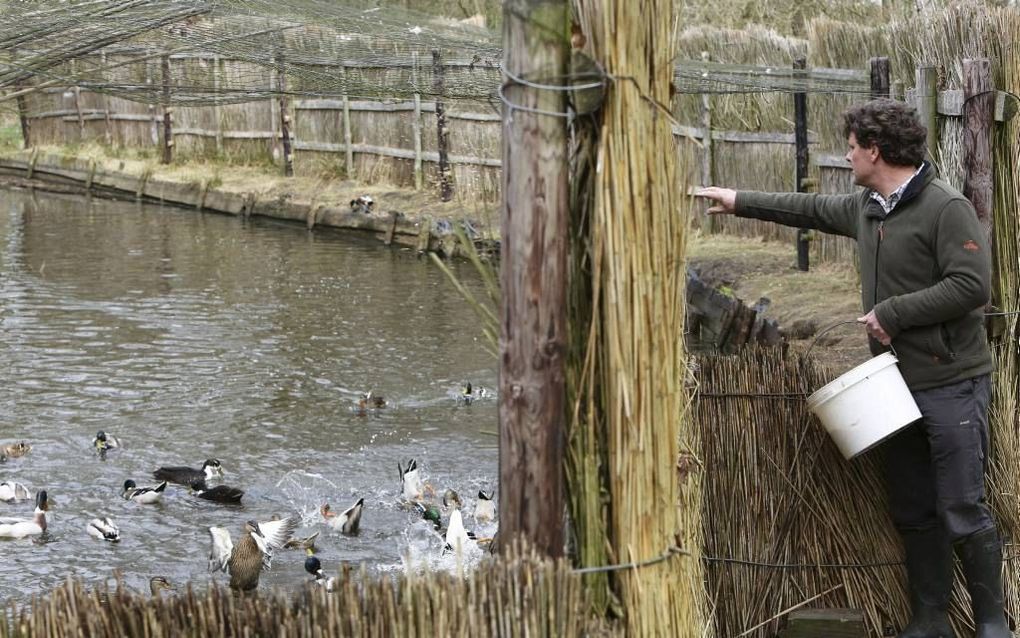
column 926, row 104
column 533, row 276
column 443, row 133
column 879, row 77
column 281, row 85
column 978, row 122
column 800, row 138
column 168, row 132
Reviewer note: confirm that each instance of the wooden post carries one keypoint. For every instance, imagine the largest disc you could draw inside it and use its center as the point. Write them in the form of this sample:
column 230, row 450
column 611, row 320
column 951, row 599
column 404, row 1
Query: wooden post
column 800, row 138
column 348, row 148
column 978, row 122
column 77, row 105
column 416, row 124
column 443, row 146
column 927, row 101
column 706, row 146
column 26, row 126
column 168, row 129
column 274, row 117
column 217, row 74
column 534, row 279
column 108, row 129
column 149, row 82
column 281, row 85
column 879, row 77
column 897, row 92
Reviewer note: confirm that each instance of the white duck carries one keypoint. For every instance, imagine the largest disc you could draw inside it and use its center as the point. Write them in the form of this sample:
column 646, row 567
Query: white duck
column 485, row 508
column 253, row 552
column 22, row 527
column 104, row 529
column 145, row 495
column 456, row 536
column 346, row 522
column 11, row 492
column 410, row 481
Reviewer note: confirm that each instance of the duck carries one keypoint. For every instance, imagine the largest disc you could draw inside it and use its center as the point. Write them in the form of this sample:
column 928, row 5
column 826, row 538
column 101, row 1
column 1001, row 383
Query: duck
column 431, row 514
column 456, row 536
column 183, row 475
column 146, row 495
column 314, row 567
column 104, row 529
column 368, row 402
column 105, row 442
column 159, row 584
column 15, row 450
column 22, row 527
column 253, row 552
column 217, row 493
column 410, row 481
column 307, row 543
column 11, row 492
column 451, row 499
column 348, row 521
column 485, row 507
column 468, row 394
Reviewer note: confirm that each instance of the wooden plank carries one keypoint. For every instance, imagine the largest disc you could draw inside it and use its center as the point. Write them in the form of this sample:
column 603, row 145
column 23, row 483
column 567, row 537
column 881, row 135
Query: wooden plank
column 852, row 76
column 748, row 137
column 978, row 122
column 401, row 153
column 830, row 161
column 237, row 135
column 825, row 623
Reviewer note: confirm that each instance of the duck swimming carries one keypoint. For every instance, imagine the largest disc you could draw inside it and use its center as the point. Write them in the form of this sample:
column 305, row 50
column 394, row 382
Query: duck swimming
column 451, row 499
column 158, row 584
column 485, row 507
column 346, row 522
column 15, row 450
column 307, row 543
column 253, row 552
column 217, row 493
column 410, row 481
column 104, row 529
column 146, row 495
column 369, row 402
column 11, row 492
column 431, row 514
column 314, row 567
column 105, row 442
column 22, row 527
column 183, row 475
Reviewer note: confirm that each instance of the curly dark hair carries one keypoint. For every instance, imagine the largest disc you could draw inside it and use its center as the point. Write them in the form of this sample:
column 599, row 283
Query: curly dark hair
column 892, row 126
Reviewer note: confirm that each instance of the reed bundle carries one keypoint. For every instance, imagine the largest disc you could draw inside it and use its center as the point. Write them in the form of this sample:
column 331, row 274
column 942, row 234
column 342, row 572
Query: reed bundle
column 519, row 596
column 783, row 509
column 634, row 351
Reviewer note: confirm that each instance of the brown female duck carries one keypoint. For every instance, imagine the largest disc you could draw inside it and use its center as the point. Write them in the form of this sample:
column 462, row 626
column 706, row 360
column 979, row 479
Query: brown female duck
column 253, row 552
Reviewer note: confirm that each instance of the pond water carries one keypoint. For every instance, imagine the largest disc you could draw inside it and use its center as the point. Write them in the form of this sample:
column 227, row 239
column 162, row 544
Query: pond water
column 193, row 335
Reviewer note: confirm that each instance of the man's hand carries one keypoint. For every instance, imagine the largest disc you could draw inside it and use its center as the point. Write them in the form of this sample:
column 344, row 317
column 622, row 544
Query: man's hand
column 725, row 199
column 875, row 329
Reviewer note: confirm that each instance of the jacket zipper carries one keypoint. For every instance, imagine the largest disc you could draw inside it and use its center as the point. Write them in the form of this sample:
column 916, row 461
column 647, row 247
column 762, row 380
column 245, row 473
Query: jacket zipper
column 881, row 236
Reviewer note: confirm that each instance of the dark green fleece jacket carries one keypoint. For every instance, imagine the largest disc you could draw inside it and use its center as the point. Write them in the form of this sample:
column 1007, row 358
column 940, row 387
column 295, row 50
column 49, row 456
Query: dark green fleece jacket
column 925, row 269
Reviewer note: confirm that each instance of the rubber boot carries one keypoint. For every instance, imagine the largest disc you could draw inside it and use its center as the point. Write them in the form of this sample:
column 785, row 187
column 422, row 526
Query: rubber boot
column 929, row 558
column 981, row 558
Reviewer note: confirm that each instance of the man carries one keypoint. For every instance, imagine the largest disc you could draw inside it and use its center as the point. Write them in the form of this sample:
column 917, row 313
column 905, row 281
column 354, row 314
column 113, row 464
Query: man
column 925, row 279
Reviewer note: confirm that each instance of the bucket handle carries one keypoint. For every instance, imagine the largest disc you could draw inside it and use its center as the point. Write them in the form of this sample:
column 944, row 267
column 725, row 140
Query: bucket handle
column 826, row 329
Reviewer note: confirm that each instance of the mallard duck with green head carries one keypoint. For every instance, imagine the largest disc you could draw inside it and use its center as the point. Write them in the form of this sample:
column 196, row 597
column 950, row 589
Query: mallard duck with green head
column 22, row 527
column 346, row 522
column 104, row 529
column 431, row 514
column 253, row 552
column 314, row 567
column 146, row 495
column 183, row 475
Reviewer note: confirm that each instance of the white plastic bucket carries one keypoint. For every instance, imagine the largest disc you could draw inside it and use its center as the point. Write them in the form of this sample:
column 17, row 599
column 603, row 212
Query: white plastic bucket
column 865, row 406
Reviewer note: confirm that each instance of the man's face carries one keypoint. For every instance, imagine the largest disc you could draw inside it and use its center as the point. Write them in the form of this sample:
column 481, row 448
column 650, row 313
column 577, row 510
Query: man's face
column 862, row 161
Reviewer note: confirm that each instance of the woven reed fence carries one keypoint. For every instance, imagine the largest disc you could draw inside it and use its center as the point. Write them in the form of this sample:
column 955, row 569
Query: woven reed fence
column 508, row 597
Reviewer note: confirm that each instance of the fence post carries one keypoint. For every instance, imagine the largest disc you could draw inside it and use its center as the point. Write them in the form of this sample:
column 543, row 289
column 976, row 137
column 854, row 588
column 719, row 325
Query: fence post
column 800, row 137
column 151, row 105
column 896, row 92
column 281, row 85
column 533, row 275
column 168, row 130
column 77, row 104
column 926, row 97
column 26, row 126
column 107, row 132
column 706, row 145
column 347, row 127
column 978, row 122
column 879, row 77
column 217, row 111
column 445, row 185
column 415, row 76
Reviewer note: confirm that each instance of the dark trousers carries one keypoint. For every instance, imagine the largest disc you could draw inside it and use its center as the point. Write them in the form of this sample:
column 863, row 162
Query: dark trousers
column 935, row 468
